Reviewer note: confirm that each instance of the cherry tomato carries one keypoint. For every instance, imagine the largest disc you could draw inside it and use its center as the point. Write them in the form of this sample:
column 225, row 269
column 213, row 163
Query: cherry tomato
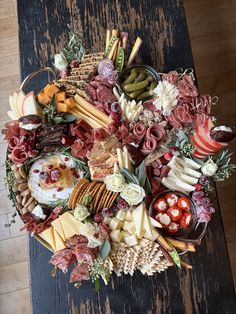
column 175, row 213
column 173, row 227
column 163, row 219
column 171, row 198
column 184, row 203
column 168, row 156
column 186, row 220
column 161, row 205
column 198, row 187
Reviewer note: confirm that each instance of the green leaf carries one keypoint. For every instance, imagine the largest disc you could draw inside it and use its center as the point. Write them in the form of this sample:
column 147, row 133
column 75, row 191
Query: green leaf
column 97, row 285
column 105, row 249
column 175, row 256
column 69, row 118
column 129, row 176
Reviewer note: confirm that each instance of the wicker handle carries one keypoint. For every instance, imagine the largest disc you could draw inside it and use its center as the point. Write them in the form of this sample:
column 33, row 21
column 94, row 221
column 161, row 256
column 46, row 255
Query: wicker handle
column 36, row 72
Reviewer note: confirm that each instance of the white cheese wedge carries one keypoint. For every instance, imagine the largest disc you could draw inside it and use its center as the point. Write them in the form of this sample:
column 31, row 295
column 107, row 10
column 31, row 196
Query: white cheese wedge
column 138, row 219
column 120, row 157
column 70, row 225
column 146, row 223
column 121, row 215
column 107, row 220
column 191, row 163
column 48, row 236
column 125, row 225
column 131, row 240
column 154, row 236
column 58, row 227
column 188, row 179
column 116, row 235
column 155, row 223
column 60, row 244
column 192, row 172
column 171, row 184
column 124, row 234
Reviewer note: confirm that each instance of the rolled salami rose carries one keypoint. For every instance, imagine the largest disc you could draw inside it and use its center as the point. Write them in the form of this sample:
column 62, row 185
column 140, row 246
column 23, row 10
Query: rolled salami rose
column 139, row 131
column 149, row 146
column 155, row 131
column 18, row 155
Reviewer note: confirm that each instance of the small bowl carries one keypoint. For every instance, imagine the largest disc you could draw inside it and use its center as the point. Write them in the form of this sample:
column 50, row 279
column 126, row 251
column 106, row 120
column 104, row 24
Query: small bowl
column 145, row 68
column 181, row 232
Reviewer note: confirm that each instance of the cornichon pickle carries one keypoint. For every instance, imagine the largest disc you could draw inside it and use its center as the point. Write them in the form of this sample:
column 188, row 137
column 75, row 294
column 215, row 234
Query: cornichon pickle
column 137, row 93
column 144, row 95
column 150, row 78
column 142, row 76
column 153, row 85
column 136, row 86
column 130, row 78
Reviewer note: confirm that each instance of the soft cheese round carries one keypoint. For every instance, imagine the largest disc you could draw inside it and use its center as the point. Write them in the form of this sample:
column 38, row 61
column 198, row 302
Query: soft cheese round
column 47, row 196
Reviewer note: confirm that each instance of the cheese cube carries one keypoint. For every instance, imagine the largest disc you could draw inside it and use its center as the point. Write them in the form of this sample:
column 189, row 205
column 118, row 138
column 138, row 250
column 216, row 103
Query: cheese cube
column 116, row 236
column 131, row 228
column 124, row 234
column 129, row 216
column 131, row 240
column 125, row 225
column 107, row 220
column 115, row 224
column 121, row 215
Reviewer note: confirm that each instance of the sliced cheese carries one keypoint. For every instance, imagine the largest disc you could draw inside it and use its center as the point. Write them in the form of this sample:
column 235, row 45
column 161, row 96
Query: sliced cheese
column 138, row 215
column 115, row 224
column 126, row 156
column 60, row 244
column 131, row 228
column 191, row 163
column 107, row 220
column 121, row 215
column 154, row 236
column 120, row 158
column 155, row 223
column 116, row 235
column 58, row 227
column 129, row 215
column 94, row 124
column 48, row 236
column 90, row 115
column 193, row 173
column 70, row 225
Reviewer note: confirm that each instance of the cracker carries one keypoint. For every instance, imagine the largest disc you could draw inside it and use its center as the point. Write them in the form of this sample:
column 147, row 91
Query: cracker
column 103, row 198
column 98, row 197
column 74, row 191
column 77, row 190
column 88, row 188
column 112, row 199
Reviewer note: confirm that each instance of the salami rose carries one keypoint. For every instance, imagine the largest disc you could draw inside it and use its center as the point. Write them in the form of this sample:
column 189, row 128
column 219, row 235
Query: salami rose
column 12, row 143
column 139, row 131
column 18, row 155
column 155, row 131
column 186, row 88
column 149, row 146
column 172, row 77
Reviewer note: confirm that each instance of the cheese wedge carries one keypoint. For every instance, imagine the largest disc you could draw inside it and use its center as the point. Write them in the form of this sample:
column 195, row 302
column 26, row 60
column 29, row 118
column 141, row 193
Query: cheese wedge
column 48, row 236
column 126, row 158
column 70, row 225
column 94, row 124
column 88, row 114
column 155, row 223
column 138, row 217
column 60, row 244
column 58, row 227
column 146, row 223
column 120, row 158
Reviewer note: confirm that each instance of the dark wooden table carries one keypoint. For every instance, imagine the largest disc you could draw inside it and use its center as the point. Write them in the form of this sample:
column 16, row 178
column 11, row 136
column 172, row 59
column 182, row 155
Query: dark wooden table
column 208, row 288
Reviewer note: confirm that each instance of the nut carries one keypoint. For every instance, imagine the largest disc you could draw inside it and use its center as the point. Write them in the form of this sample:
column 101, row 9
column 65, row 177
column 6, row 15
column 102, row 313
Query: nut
column 14, row 167
column 19, row 198
column 22, row 187
column 24, row 200
column 24, row 210
column 22, row 172
column 24, row 193
column 19, row 165
column 31, row 207
column 19, row 206
column 29, row 201
column 15, row 187
column 17, row 175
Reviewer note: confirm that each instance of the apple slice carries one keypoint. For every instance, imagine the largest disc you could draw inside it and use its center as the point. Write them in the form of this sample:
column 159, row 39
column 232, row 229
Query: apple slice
column 199, row 145
column 12, row 115
column 19, row 102
column 14, row 104
column 30, row 105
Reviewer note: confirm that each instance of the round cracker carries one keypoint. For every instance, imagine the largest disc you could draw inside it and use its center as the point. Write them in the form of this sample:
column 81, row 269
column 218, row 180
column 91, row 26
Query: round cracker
column 81, row 191
column 103, row 199
column 76, row 187
column 99, row 195
column 113, row 197
column 108, row 199
column 89, row 188
column 78, row 191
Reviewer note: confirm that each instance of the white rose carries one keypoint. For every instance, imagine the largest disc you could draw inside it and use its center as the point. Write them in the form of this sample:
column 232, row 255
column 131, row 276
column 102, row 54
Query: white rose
column 59, row 62
column 81, row 212
column 209, row 168
column 115, row 182
column 133, row 194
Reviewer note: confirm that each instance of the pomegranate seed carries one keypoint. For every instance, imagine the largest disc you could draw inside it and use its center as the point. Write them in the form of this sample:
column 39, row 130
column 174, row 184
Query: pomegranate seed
column 66, row 158
column 63, row 166
column 35, row 170
column 50, row 166
column 59, row 189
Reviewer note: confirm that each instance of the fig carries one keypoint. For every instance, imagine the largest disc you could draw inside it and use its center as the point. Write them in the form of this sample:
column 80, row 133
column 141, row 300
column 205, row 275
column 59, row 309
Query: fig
column 31, row 118
column 222, row 134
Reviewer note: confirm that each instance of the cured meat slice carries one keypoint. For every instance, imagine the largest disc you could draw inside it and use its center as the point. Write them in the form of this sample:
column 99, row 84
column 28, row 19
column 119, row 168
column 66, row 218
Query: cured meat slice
column 79, row 149
column 18, row 155
column 62, row 259
column 139, row 131
column 12, row 143
column 84, row 254
column 79, row 273
column 149, row 146
column 155, row 131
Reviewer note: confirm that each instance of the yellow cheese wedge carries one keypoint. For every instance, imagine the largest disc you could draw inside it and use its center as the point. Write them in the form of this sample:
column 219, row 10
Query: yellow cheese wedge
column 87, row 119
column 71, row 226
column 58, row 227
column 88, row 114
column 48, row 236
column 60, row 244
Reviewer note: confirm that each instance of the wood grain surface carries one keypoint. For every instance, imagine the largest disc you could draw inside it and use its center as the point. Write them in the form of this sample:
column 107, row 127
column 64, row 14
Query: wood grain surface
column 161, row 23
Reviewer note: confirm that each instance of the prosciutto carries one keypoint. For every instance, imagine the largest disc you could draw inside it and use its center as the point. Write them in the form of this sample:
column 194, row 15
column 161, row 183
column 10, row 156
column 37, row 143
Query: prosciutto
column 63, row 259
